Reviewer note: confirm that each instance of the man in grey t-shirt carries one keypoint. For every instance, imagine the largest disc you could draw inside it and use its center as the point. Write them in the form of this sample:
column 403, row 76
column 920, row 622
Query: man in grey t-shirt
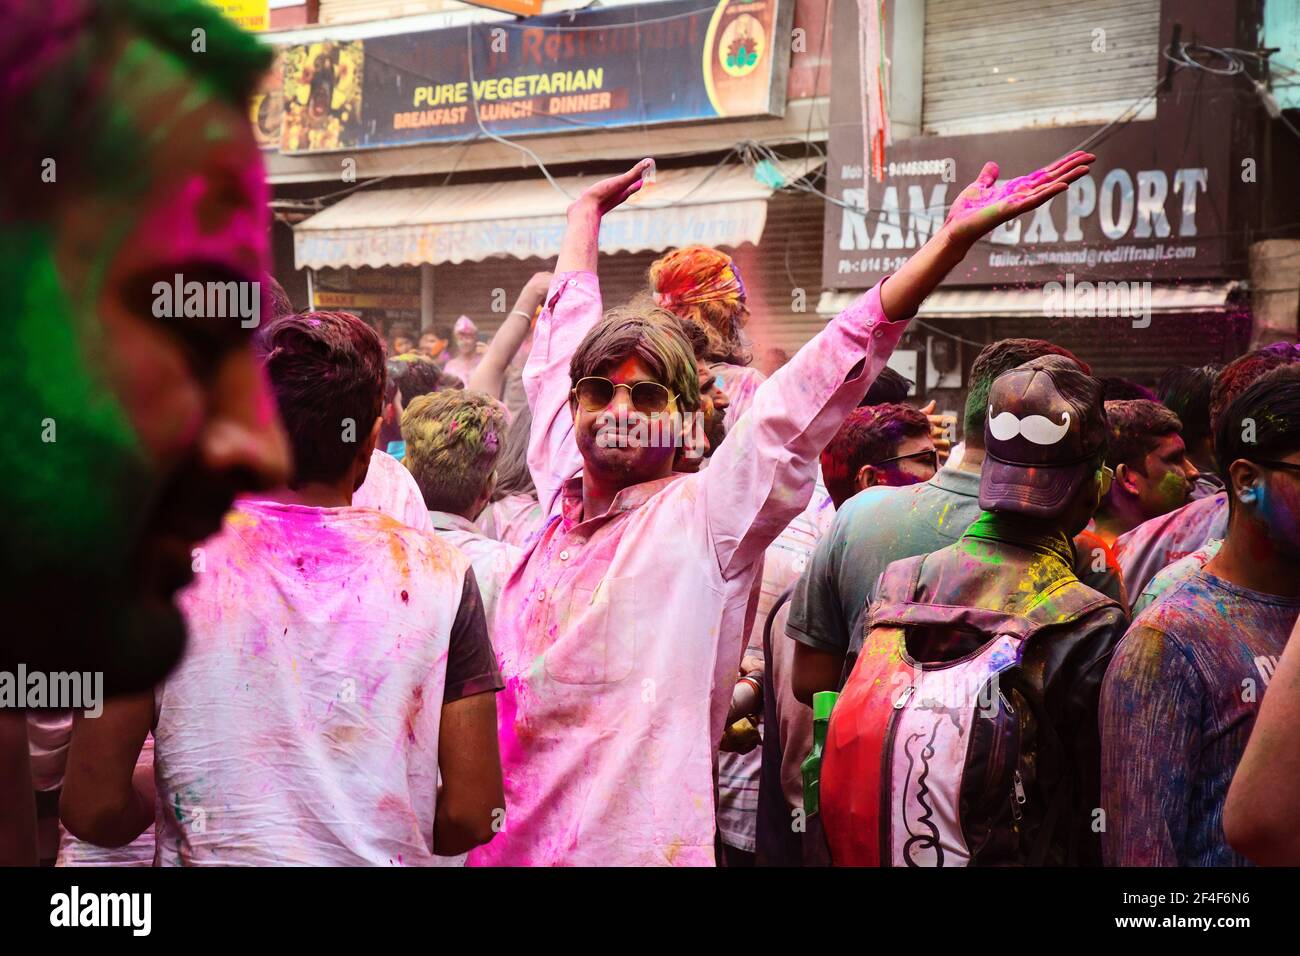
column 882, row 525
column 1183, row 688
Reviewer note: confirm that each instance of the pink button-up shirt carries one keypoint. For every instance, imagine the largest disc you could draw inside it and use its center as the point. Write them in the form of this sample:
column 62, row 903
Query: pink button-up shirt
column 620, row 636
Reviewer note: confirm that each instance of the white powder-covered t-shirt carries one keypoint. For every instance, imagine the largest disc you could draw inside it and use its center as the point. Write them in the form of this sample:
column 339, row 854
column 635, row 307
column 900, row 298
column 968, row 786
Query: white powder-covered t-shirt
column 492, row 560
column 389, row 487
column 301, row 727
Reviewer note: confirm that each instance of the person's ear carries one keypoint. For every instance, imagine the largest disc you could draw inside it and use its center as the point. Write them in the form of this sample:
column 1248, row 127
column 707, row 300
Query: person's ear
column 1125, row 481
column 1244, row 477
column 867, row 477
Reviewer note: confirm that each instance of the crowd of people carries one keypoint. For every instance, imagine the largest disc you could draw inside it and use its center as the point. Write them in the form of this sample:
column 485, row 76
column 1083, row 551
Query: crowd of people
column 570, row 597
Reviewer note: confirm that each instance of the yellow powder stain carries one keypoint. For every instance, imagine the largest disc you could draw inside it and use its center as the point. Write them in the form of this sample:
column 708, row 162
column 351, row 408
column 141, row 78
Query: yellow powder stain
column 398, row 549
column 341, row 736
column 240, row 519
column 673, row 849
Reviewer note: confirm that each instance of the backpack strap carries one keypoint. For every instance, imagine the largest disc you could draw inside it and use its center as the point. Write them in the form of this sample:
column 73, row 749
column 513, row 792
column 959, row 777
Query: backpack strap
column 898, row 582
column 1065, row 601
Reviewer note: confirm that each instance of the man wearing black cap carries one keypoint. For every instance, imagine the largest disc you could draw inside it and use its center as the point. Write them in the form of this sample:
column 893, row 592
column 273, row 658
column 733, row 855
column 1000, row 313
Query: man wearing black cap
column 882, row 525
column 1010, row 789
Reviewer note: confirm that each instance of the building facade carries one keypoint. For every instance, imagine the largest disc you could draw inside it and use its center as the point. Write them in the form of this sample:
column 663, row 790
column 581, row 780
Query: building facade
column 1178, row 248
column 421, row 164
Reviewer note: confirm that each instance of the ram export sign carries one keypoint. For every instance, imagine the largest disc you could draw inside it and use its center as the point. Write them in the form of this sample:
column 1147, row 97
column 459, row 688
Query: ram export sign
column 1128, row 217
column 1154, row 206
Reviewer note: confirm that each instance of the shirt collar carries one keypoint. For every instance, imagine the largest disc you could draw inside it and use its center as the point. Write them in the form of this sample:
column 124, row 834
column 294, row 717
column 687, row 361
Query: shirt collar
column 1015, row 529
column 629, row 499
column 957, row 481
column 445, row 521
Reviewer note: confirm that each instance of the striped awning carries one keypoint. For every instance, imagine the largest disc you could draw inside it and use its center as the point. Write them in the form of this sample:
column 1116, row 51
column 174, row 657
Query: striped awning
column 713, row 205
column 995, row 303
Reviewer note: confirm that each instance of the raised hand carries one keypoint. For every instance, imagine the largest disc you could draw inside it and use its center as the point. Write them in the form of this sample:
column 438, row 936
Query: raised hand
column 534, row 289
column 983, row 206
column 941, row 426
column 979, row 208
column 579, row 248
column 612, row 192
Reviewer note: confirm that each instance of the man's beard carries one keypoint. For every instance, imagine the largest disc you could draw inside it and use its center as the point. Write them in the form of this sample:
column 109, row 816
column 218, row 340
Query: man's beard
column 715, row 429
column 109, row 607
column 62, row 623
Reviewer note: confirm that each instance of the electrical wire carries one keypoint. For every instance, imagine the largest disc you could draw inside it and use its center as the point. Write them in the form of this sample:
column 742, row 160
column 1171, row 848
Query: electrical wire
column 1181, row 58
column 1123, row 119
column 516, row 25
column 469, row 55
column 952, row 335
column 752, row 151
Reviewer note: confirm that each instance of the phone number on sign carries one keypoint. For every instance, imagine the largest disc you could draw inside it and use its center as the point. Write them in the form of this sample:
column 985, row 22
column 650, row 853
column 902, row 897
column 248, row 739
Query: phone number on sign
column 872, row 264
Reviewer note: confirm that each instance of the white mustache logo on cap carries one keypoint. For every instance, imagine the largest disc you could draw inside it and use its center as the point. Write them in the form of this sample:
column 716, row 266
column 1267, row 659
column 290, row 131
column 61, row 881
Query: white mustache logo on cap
column 1035, row 428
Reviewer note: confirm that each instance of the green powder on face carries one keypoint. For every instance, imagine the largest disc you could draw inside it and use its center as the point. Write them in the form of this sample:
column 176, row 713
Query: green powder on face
column 1172, row 490
column 81, row 484
column 60, row 497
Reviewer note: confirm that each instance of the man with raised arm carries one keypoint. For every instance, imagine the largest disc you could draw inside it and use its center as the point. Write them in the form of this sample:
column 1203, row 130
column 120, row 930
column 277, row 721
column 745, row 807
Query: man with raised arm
column 620, row 632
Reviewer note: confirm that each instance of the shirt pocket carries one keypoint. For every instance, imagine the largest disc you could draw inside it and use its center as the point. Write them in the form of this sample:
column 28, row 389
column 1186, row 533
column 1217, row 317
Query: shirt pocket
column 597, row 638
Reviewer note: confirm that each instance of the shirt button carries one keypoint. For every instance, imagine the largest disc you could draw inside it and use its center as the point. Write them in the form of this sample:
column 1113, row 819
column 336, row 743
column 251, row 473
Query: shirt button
column 564, row 555
column 541, row 595
column 877, row 331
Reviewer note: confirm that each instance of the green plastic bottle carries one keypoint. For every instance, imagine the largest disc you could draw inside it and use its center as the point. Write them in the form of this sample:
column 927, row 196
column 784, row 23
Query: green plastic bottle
column 823, row 704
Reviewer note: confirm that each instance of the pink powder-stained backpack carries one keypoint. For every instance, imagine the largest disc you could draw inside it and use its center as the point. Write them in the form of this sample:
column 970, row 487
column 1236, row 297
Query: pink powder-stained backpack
column 942, row 750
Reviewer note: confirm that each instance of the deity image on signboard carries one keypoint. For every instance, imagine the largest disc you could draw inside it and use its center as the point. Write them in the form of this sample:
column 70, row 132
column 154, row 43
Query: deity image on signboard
column 266, row 109
column 742, row 46
column 737, row 54
column 322, row 96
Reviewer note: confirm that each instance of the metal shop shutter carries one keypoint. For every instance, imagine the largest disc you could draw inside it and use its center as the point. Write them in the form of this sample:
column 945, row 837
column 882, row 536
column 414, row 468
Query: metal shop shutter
column 1114, row 348
column 467, row 287
column 1009, row 64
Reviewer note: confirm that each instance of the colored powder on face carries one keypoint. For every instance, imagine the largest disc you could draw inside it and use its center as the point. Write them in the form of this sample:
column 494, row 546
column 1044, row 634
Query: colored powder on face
column 82, row 481
column 1278, row 521
column 1172, row 491
column 60, row 489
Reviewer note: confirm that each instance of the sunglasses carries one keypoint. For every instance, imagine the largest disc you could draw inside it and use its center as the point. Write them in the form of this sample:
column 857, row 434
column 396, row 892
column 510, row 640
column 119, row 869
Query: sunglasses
column 1280, row 465
column 594, row 393
column 930, row 458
